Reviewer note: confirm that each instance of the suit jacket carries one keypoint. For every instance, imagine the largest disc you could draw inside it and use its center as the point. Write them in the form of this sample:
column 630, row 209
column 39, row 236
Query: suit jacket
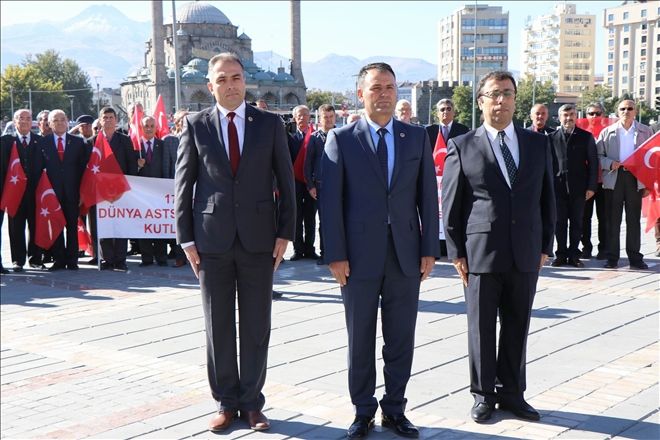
column 313, row 158
column 457, row 129
column 122, row 148
column 544, row 130
column 580, row 161
column 28, row 156
column 357, row 203
column 496, row 227
column 155, row 167
column 609, row 151
column 223, row 205
column 64, row 175
column 170, row 145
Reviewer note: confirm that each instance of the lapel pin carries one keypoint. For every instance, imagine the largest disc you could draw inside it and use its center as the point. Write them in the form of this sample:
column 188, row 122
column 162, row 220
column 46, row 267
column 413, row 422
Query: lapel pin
column 250, row 118
column 402, row 135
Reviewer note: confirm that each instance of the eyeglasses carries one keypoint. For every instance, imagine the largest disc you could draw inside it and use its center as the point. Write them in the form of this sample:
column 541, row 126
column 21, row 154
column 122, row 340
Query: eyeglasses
column 594, row 113
column 444, row 109
column 623, row 109
column 497, row 94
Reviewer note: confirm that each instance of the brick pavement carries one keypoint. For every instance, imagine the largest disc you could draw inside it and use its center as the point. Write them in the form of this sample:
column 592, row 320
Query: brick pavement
column 121, row 355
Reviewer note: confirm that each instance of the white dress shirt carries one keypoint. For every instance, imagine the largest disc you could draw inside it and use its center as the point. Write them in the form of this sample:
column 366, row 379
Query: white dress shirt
column 239, row 122
column 626, row 141
column 511, row 141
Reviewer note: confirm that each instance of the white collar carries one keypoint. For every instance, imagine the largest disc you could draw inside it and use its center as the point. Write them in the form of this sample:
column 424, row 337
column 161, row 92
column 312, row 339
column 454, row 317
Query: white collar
column 239, row 111
column 509, row 130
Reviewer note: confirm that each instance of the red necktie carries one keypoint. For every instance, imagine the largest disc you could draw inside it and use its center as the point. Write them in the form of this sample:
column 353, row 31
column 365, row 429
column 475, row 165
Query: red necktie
column 60, row 148
column 25, row 141
column 232, row 135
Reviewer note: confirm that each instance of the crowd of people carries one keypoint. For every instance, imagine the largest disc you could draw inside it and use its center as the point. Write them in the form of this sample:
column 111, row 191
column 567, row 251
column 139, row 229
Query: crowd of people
column 245, row 186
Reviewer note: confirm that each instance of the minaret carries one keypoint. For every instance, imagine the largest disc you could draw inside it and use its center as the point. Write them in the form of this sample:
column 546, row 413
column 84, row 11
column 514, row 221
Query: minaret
column 158, row 73
column 296, row 61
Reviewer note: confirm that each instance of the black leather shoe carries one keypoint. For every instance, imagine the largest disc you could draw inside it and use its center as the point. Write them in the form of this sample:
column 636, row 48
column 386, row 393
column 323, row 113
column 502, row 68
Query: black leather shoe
column 72, row 266
column 146, row 263
column 575, row 262
column 17, row 269
column 611, row 265
column 312, row 256
column 121, row 267
column 296, row 256
column 277, row 294
column 93, row 262
column 523, row 410
column 401, row 425
column 162, row 263
column 37, row 266
column 106, row 266
column 360, row 427
column 3, row 270
column 558, row 262
column 481, row 412
column 56, row 266
column 639, row 265
column 601, row 256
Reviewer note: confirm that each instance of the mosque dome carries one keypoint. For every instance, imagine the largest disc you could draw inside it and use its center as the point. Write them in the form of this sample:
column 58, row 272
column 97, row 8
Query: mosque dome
column 198, row 64
column 200, row 13
column 283, row 77
column 193, row 76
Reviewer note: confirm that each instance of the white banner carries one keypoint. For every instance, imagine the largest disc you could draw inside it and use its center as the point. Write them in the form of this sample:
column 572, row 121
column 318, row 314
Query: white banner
column 145, row 211
column 442, row 228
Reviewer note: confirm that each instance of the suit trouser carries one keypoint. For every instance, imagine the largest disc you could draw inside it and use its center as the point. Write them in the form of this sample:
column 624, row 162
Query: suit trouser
column 223, row 277
column 398, row 295
column 19, row 250
column 570, row 210
column 601, row 214
column 305, row 220
column 509, row 295
column 67, row 253
column 625, row 195
column 114, row 250
column 153, row 249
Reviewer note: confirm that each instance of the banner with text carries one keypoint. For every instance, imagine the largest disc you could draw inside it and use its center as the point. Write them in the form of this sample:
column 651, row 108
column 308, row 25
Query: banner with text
column 145, row 211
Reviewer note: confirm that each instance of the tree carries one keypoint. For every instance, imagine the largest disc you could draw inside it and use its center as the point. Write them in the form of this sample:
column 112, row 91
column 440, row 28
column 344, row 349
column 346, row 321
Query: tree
column 52, row 80
column 600, row 94
column 316, row 98
column 543, row 93
column 462, row 99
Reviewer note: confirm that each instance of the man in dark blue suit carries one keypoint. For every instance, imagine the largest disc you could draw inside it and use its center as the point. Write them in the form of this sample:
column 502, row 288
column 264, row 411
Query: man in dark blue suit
column 499, row 214
column 380, row 219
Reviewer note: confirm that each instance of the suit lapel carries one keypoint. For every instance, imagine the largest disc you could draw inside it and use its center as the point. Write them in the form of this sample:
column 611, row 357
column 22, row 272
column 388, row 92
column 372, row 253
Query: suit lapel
column 364, row 138
column 487, row 149
column 400, row 133
column 523, row 153
column 251, row 121
column 215, row 135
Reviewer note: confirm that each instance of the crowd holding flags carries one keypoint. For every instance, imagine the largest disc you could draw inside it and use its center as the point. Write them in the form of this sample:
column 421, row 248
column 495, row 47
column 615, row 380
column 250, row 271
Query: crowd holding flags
column 14, row 185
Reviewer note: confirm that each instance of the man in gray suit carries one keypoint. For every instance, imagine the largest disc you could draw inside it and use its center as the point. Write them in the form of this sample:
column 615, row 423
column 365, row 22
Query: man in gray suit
column 615, row 144
column 380, row 218
column 233, row 234
column 498, row 208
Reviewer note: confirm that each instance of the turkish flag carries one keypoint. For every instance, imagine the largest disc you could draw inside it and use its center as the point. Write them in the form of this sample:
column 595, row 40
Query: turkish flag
column 135, row 129
column 162, row 126
column 644, row 163
column 594, row 125
column 84, row 238
column 651, row 208
column 15, row 183
column 299, row 164
column 102, row 178
column 50, row 219
column 439, row 153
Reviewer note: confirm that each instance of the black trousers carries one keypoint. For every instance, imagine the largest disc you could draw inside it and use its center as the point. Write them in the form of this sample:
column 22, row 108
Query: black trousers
column 153, row 249
column 625, row 195
column 601, row 214
column 67, row 252
column 570, row 210
column 223, row 278
column 499, row 374
column 398, row 296
column 305, row 221
column 318, row 206
column 20, row 251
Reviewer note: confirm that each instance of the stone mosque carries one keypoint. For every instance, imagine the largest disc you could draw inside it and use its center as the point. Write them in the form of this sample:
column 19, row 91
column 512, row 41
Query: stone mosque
column 202, row 31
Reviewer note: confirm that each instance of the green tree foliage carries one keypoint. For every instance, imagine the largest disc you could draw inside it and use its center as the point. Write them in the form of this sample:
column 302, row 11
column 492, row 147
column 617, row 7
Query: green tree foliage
column 316, row 98
column 600, row 94
column 52, row 80
column 543, row 92
column 462, row 99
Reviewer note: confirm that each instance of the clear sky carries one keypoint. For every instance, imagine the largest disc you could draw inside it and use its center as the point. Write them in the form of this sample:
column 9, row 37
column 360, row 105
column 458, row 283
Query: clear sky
column 357, row 28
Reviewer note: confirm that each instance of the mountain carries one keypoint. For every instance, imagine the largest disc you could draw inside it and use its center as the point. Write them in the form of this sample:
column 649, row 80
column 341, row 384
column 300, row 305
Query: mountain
column 102, row 40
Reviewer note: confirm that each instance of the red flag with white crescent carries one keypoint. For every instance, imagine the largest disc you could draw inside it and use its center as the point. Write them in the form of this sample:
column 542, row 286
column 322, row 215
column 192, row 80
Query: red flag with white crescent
column 162, row 125
column 135, row 129
column 644, row 163
column 50, row 219
column 84, row 238
column 439, row 153
column 14, row 185
column 594, row 125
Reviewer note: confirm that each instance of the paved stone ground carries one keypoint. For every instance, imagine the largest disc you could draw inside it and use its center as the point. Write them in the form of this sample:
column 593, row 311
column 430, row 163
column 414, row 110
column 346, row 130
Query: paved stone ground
column 121, row 355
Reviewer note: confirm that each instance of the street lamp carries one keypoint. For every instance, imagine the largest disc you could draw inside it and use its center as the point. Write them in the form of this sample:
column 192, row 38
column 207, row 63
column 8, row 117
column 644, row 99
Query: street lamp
column 98, row 95
column 71, row 97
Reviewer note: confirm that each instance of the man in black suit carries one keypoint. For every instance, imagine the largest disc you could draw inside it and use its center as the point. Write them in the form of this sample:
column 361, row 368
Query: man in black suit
column 64, row 157
column 113, row 250
column 498, row 209
column 575, row 167
column 447, row 128
column 150, row 164
column 27, row 144
column 327, row 118
column 303, row 245
column 380, row 227
column 233, row 233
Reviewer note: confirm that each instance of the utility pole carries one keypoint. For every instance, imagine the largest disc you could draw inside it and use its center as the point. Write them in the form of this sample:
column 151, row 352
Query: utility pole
column 177, row 80
column 98, row 96
column 474, row 71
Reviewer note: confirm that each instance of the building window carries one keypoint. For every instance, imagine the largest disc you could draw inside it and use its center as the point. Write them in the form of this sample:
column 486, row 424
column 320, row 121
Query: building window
column 610, row 55
column 657, row 51
column 625, row 54
column 643, row 13
column 624, row 79
column 610, row 17
column 643, row 38
column 610, row 68
column 626, row 28
column 624, row 68
column 642, row 66
column 610, row 43
column 626, row 41
column 642, row 52
column 642, row 78
column 644, row 26
column 626, row 15
column 641, row 91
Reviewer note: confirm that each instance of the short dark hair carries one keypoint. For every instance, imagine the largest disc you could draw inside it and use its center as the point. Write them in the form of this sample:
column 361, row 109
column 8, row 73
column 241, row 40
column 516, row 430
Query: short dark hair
column 597, row 105
column 497, row 75
column 224, row 56
column 381, row 67
column 106, row 110
column 326, row 108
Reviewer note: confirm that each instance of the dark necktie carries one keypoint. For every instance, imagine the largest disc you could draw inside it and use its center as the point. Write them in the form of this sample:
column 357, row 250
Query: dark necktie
column 24, row 143
column 149, row 152
column 60, row 148
column 232, row 136
column 381, row 152
column 511, row 168
column 445, row 133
